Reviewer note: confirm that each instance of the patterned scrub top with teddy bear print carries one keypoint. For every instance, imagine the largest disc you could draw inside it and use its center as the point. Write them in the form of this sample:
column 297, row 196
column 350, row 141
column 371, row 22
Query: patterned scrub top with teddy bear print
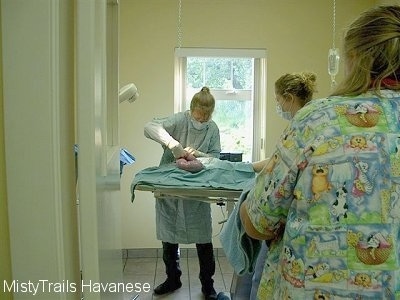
column 333, row 183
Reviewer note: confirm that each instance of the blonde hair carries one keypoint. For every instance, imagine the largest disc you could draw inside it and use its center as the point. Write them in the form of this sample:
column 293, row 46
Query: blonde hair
column 372, row 52
column 203, row 101
column 302, row 85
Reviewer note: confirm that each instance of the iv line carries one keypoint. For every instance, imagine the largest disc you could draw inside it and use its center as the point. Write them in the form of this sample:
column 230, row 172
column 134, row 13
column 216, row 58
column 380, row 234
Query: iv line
column 333, row 54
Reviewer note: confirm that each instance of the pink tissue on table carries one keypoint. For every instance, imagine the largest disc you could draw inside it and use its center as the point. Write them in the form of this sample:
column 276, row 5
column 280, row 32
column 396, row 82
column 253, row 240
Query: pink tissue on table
column 189, row 163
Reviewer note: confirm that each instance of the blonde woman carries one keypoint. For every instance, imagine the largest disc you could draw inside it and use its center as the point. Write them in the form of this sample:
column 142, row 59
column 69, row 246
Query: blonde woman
column 179, row 220
column 334, row 190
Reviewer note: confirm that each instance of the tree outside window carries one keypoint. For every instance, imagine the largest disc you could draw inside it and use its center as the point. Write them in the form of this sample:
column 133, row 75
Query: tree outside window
column 231, row 82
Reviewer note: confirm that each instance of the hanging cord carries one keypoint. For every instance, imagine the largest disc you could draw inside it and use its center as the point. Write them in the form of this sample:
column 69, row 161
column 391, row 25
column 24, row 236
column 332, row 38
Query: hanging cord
column 225, row 218
column 179, row 24
column 334, row 24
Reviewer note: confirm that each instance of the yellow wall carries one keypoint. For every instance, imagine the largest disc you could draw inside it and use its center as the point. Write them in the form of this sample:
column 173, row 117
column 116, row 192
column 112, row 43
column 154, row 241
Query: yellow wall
column 297, row 36
column 5, row 269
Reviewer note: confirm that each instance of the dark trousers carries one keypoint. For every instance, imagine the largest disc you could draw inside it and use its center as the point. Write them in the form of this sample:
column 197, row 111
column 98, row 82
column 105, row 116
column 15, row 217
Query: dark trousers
column 205, row 254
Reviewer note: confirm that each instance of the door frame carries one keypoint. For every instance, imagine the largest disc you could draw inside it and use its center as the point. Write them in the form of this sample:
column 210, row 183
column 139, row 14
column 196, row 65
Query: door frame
column 97, row 138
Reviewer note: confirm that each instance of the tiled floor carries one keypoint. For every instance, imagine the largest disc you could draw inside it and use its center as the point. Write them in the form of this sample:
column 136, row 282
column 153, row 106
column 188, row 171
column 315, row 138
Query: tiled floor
column 143, row 266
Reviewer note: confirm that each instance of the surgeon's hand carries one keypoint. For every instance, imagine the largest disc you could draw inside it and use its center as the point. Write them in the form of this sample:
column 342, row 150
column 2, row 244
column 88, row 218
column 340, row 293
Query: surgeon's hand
column 178, row 151
column 176, row 148
column 194, row 152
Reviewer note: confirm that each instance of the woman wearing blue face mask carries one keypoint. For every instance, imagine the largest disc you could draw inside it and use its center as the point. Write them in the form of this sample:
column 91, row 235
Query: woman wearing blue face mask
column 179, row 220
column 293, row 91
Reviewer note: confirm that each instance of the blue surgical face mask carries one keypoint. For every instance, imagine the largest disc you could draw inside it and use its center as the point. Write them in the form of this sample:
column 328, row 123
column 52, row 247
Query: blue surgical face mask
column 287, row 115
column 283, row 114
column 199, row 125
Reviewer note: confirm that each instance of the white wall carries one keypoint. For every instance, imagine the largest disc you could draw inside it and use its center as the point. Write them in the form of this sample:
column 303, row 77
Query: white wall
column 297, row 37
column 39, row 137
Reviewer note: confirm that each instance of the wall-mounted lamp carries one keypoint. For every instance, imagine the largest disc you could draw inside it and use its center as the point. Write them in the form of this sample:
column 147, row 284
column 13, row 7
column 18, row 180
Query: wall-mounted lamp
column 128, row 92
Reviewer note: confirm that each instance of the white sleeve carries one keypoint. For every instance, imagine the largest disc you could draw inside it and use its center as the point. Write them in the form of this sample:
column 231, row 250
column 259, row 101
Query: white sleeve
column 154, row 130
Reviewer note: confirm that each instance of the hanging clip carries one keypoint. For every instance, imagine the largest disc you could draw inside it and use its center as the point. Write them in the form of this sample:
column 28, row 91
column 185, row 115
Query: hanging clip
column 333, row 64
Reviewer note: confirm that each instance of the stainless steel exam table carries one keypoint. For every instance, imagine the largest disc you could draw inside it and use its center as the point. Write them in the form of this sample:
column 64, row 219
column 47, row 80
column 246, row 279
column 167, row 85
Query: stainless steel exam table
column 219, row 196
column 240, row 285
column 220, row 182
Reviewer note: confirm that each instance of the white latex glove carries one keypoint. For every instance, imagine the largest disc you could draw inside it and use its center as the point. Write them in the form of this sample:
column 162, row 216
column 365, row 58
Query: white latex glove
column 195, row 152
column 177, row 149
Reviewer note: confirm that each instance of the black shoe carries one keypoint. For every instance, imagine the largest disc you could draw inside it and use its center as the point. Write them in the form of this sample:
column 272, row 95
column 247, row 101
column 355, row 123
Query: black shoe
column 168, row 286
column 209, row 293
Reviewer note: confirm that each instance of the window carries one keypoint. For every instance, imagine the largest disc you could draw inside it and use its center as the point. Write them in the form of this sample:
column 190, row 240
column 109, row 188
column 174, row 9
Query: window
column 236, row 78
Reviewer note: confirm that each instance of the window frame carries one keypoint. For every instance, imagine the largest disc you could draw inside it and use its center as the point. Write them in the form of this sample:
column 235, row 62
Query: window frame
column 259, row 97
